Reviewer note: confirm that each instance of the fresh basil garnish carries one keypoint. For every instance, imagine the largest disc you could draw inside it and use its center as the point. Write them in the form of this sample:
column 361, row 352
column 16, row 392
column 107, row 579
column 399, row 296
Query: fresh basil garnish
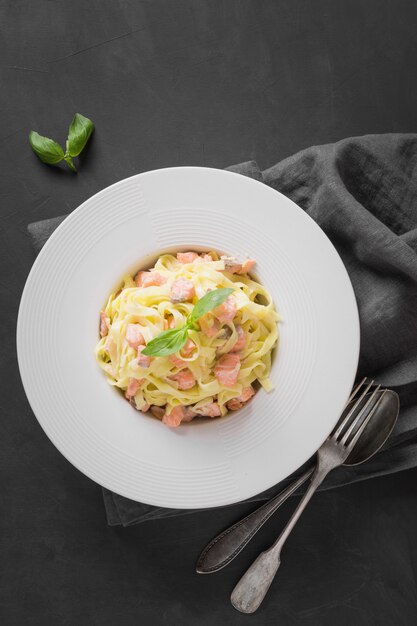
column 50, row 152
column 79, row 133
column 210, row 301
column 171, row 341
column 167, row 342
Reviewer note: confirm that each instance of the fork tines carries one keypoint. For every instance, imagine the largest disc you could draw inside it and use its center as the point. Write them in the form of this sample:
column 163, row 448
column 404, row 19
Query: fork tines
column 359, row 410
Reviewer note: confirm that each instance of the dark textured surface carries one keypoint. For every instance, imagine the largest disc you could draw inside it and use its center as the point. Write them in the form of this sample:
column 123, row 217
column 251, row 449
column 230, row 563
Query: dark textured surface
column 175, row 83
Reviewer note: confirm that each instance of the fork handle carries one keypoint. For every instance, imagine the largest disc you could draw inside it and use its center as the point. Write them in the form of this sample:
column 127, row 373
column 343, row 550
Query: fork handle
column 251, row 589
column 227, row 545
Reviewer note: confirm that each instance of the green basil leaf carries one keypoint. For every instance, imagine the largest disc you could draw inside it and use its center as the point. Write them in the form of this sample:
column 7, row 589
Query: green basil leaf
column 167, row 342
column 48, row 150
column 170, row 341
column 79, row 133
column 210, row 301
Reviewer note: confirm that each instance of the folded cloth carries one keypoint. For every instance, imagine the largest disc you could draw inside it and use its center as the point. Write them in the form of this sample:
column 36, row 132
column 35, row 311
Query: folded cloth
column 363, row 193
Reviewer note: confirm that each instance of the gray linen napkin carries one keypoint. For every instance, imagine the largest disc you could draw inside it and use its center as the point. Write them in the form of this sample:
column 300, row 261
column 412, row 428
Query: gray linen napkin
column 363, row 193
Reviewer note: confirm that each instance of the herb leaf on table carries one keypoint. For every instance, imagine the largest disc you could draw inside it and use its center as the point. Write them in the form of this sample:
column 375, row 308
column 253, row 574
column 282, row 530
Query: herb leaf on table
column 50, row 152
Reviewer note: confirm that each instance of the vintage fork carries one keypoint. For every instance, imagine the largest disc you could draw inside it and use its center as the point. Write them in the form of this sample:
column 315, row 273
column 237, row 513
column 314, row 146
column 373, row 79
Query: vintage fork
column 230, row 542
column 254, row 584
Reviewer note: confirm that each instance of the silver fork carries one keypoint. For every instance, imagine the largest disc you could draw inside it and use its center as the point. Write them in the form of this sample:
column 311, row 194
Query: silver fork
column 254, row 584
column 230, row 542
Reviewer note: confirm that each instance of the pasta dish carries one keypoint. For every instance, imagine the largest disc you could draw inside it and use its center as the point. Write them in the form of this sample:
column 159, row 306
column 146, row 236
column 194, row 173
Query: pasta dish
column 193, row 336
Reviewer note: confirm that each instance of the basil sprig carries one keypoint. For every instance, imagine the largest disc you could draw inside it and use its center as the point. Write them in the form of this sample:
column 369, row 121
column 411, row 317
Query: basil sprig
column 50, row 152
column 170, row 341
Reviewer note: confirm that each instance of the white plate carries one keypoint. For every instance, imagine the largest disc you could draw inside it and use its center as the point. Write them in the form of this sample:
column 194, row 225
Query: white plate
column 125, row 227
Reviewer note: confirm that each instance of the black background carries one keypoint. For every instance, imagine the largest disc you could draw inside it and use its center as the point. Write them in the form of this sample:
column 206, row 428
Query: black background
column 176, row 83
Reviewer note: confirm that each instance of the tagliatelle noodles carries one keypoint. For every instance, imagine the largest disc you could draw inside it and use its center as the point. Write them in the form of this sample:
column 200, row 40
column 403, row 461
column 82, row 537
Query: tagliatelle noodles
column 151, row 307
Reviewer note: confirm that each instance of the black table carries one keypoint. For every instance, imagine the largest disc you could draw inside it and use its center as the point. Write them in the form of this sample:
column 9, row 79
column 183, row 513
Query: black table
column 173, row 83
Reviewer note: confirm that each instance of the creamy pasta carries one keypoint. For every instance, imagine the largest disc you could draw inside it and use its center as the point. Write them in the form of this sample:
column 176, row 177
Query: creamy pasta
column 225, row 354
